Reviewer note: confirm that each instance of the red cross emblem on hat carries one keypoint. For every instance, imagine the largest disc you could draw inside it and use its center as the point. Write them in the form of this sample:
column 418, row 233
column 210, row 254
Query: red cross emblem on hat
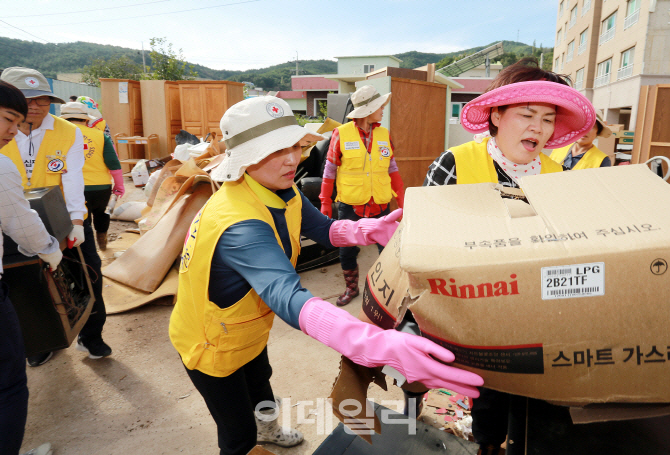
column 32, row 82
column 274, row 109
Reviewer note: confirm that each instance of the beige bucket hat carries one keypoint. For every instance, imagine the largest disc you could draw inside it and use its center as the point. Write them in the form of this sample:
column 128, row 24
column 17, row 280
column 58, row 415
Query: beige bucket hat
column 606, row 132
column 254, row 129
column 367, row 100
column 75, row 109
column 31, row 82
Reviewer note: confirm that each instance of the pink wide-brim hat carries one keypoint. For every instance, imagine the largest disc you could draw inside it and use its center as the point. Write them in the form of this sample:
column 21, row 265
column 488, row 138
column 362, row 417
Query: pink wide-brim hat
column 575, row 114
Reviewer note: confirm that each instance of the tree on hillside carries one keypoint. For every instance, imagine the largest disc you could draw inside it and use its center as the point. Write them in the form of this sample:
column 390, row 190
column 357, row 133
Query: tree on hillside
column 120, row 67
column 166, row 64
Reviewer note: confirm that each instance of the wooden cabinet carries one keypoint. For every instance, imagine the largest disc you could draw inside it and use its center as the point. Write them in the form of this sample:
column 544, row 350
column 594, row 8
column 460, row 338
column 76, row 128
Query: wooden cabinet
column 417, row 126
column 652, row 135
column 123, row 112
column 161, row 113
column 203, row 103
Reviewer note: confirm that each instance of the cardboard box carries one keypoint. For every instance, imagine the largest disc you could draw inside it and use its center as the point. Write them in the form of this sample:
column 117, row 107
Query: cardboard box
column 565, row 299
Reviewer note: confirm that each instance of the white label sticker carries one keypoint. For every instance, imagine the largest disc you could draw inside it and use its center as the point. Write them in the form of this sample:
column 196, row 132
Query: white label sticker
column 383, row 143
column 570, row 281
column 351, row 145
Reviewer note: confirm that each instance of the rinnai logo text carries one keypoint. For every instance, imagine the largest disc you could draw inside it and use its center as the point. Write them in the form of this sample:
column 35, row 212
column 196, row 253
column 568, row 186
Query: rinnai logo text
column 473, row 291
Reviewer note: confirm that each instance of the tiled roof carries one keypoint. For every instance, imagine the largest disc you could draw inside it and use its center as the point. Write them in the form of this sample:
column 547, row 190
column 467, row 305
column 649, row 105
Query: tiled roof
column 472, row 85
column 313, row 83
column 290, row 95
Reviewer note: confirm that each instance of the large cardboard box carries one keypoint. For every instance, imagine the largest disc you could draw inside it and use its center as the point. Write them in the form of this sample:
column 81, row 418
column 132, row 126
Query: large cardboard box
column 566, row 299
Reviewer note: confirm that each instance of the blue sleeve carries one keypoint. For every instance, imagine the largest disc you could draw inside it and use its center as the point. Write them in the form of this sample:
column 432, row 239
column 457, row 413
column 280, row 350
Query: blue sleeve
column 315, row 225
column 250, row 248
column 606, row 162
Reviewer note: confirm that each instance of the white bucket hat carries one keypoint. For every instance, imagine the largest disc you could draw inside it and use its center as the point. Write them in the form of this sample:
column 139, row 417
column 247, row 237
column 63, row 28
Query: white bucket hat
column 75, row 109
column 367, row 100
column 254, row 129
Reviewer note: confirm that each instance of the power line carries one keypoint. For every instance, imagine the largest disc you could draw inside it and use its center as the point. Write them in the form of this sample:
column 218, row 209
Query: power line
column 147, row 15
column 89, row 10
column 34, row 36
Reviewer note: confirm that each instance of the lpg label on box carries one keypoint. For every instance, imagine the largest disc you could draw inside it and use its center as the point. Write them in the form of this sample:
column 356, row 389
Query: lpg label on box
column 576, row 280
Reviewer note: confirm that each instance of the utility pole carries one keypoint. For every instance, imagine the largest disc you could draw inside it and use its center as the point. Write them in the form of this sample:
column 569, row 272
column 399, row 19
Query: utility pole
column 144, row 63
column 296, row 63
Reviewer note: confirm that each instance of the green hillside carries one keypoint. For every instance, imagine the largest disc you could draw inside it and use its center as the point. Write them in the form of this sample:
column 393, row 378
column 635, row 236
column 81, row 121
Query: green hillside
column 51, row 59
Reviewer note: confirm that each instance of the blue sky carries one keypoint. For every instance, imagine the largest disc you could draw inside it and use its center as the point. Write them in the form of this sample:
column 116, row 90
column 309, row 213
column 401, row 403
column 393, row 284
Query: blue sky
column 245, row 34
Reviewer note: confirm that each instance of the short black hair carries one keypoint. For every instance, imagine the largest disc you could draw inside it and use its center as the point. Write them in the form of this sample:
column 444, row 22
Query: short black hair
column 73, row 98
column 12, row 98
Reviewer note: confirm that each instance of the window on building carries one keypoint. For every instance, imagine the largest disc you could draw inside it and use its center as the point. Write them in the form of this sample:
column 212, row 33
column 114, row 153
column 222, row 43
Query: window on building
column 583, row 39
column 558, row 36
column 579, row 79
column 573, row 16
column 626, row 68
column 632, row 13
column 368, row 68
column 608, row 28
column 603, row 73
column 571, row 50
column 557, row 63
column 560, row 9
column 586, row 7
column 562, row 60
column 456, row 109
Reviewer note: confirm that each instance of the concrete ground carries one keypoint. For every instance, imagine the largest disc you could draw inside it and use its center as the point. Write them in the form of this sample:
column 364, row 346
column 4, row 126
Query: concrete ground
column 140, row 400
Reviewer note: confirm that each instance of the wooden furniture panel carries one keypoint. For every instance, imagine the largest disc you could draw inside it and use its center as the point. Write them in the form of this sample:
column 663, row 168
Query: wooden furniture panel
column 123, row 118
column 652, row 136
column 216, row 97
column 173, row 114
column 418, row 113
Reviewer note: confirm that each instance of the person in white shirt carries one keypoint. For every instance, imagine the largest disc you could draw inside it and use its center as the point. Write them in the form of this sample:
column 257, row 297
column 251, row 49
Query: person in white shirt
column 23, row 225
column 49, row 151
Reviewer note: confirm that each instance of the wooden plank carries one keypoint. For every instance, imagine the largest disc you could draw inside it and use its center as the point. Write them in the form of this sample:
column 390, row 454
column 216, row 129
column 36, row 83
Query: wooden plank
column 660, row 131
column 660, row 144
column 418, row 112
column 154, row 107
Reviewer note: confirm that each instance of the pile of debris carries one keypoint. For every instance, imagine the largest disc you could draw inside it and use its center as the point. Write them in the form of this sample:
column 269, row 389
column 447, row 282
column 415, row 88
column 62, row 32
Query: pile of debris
column 448, row 411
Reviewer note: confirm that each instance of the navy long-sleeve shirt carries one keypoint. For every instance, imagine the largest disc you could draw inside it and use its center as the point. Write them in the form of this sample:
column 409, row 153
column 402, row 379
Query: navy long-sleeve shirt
column 248, row 256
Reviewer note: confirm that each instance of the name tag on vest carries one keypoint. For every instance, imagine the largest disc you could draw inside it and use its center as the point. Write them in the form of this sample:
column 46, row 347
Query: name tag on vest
column 352, row 145
column 383, row 143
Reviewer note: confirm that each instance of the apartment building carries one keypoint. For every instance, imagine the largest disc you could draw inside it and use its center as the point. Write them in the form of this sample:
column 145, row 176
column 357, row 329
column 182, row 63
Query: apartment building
column 610, row 48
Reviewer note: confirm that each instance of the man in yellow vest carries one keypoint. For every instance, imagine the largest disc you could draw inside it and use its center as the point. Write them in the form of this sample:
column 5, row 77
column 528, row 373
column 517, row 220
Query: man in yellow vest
column 238, row 269
column 101, row 167
column 49, row 151
column 360, row 161
column 583, row 154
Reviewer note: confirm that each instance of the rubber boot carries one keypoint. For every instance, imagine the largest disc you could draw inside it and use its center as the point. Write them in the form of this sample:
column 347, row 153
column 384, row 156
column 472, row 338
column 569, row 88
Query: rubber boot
column 268, row 430
column 101, row 237
column 351, row 281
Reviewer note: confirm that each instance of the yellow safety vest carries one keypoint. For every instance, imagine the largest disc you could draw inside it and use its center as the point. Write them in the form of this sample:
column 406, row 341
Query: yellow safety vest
column 50, row 162
column 475, row 165
column 98, row 124
column 95, row 170
column 218, row 341
column 364, row 175
column 592, row 158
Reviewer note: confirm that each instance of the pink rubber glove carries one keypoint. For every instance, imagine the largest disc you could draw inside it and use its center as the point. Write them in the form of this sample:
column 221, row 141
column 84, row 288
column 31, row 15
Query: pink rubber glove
column 119, row 189
column 417, row 358
column 366, row 231
column 326, row 193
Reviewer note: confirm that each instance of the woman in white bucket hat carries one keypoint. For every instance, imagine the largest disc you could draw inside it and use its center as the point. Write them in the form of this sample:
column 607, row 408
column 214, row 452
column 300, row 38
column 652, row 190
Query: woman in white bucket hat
column 360, row 159
column 237, row 271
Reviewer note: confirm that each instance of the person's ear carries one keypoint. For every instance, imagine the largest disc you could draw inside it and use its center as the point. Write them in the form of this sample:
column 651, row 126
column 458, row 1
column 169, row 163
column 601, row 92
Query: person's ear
column 495, row 116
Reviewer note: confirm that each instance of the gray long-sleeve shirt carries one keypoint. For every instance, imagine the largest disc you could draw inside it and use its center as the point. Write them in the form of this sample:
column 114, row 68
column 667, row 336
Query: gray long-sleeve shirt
column 17, row 219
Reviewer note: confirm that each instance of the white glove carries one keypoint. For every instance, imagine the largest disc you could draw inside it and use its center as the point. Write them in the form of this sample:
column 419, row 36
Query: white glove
column 53, row 259
column 76, row 236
